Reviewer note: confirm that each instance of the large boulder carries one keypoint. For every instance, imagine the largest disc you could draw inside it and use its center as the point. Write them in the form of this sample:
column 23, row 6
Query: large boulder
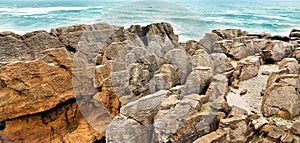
column 209, row 41
column 158, row 32
column 247, row 68
column 191, row 46
column 32, row 87
column 39, row 41
column 197, row 81
column 201, row 59
column 217, row 88
column 182, row 122
column 241, row 48
column 13, row 48
column 166, row 78
column 290, row 64
column 230, row 33
column 181, row 60
column 124, row 130
column 144, row 109
column 221, row 63
column 275, row 51
column 238, row 128
column 70, row 36
column 282, row 87
column 63, row 123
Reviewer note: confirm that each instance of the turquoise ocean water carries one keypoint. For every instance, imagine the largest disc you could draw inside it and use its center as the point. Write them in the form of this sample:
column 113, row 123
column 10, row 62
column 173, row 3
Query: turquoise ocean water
column 191, row 18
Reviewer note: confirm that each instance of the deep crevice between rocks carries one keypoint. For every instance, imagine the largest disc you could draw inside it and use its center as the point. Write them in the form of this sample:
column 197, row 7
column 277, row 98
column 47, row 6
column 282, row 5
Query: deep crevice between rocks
column 2, row 84
column 71, row 49
column 205, row 88
column 45, row 114
column 2, row 125
column 63, row 66
column 103, row 140
column 269, row 61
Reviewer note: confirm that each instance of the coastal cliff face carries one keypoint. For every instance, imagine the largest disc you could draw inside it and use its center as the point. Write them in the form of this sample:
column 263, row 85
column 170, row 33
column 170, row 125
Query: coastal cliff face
column 104, row 83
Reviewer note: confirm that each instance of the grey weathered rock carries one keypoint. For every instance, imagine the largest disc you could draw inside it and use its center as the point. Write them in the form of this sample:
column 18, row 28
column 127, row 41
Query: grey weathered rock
column 150, row 74
column 218, row 87
column 197, row 81
column 209, row 41
column 167, row 122
column 194, row 100
column 191, row 46
column 39, row 41
column 183, row 123
column 169, row 102
column 230, row 33
column 71, row 35
column 239, row 131
column 201, row 58
column 237, row 111
column 276, row 132
column 282, row 87
column 144, row 109
column 242, row 50
column 196, row 126
column 220, row 104
column 239, row 48
column 181, row 61
column 296, row 128
column 291, row 64
column 177, row 89
column 221, row 63
column 166, row 78
column 12, row 48
column 124, row 130
column 275, row 51
column 247, row 68
column 147, row 33
column 179, row 119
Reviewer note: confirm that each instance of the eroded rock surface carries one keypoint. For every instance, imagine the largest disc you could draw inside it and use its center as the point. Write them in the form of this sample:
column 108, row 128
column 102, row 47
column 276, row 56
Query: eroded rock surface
column 104, row 83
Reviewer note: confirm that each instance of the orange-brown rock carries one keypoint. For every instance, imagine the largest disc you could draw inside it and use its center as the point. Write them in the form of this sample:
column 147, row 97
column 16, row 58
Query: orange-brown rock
column 32, row 87
column 64, row 123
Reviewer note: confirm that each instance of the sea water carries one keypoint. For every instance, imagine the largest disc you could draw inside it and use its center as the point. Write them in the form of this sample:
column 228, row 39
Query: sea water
column 190, row 18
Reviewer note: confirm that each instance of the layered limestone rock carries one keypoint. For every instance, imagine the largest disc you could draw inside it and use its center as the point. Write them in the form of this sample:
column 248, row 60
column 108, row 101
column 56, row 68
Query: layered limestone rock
column 104, row 83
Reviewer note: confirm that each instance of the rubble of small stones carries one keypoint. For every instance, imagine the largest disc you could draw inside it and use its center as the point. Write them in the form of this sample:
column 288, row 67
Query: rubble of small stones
column 142, row 86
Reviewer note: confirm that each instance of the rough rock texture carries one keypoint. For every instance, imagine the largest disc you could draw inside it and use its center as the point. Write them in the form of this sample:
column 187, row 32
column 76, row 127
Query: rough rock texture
column 218, row 87
column 279, row 85
column 104, row 83
column 246, row 68
column 27, row 47
column 64, row 123
column 144, row 109
column 33, row 86
column 218, row 136
column 276, row 51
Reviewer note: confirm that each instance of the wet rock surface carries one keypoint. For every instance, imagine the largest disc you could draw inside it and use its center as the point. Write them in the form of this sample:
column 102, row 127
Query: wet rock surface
column 104, row 83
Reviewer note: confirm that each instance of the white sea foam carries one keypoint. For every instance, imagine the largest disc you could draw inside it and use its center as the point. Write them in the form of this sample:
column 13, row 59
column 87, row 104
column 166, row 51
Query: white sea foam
column 33, row 11
column 232, row 12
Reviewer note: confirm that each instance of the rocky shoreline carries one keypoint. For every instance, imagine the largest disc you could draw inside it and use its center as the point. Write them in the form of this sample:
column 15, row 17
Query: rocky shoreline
column 104, row 83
